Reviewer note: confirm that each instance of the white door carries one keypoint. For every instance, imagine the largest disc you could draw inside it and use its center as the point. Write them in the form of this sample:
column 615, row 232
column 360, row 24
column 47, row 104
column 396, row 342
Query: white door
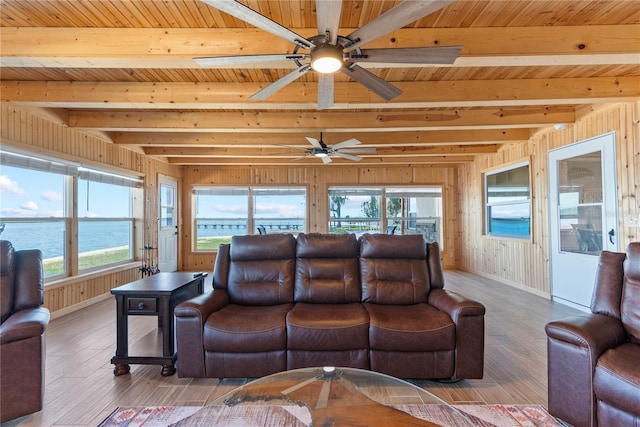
column 168, row 225
column 582, row 216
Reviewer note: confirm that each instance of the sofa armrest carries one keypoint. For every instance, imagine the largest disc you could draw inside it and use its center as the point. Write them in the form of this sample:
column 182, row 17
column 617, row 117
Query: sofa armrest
column 468, row 316
column 190, row 318
column 23, row 324
column 573, row 348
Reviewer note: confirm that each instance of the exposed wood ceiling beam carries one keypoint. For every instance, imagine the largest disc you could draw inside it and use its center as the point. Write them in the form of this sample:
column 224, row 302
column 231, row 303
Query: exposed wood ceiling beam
column 371, row 139
column 282, row 122
column 404, row 161
column 175, row 48
column 304, row 95
column 290, row 152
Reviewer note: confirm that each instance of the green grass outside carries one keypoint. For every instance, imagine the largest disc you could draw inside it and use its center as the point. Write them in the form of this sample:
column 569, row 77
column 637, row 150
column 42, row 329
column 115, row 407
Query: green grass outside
column 55, row 266
column 211, row 243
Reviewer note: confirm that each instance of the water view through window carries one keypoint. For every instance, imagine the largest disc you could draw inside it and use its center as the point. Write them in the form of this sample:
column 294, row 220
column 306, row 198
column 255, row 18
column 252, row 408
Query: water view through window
column 508, row 202
column 224, row 212
column 35, row 214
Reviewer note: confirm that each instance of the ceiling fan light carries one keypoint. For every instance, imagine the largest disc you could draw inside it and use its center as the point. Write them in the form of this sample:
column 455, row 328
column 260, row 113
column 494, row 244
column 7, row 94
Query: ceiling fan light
column 321, row 155
column 327, row 58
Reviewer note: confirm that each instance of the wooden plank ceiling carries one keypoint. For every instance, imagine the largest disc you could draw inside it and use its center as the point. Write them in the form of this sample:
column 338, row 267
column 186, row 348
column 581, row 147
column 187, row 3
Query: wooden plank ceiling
column 125, row 69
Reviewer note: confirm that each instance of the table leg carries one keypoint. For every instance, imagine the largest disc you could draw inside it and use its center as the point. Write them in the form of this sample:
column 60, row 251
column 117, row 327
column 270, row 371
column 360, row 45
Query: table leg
column 121, row 370
column 168, row 370
column 122, row 335
column 167, row 335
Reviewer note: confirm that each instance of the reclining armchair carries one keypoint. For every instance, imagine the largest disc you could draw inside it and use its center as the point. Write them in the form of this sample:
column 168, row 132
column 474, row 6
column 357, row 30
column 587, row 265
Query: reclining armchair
column 22, row 325
column 594, row 359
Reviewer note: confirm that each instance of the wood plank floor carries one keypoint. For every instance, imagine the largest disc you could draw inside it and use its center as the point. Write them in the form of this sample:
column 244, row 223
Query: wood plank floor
column 82, row 390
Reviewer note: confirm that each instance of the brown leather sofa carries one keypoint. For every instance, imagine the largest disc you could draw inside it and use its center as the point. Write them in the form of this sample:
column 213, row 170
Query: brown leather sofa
column 594, row 359
column 22, row 327
column 379, row 303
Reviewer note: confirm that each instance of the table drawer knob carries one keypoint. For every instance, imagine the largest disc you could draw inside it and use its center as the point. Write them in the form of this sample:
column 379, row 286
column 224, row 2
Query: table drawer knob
column 142, row 305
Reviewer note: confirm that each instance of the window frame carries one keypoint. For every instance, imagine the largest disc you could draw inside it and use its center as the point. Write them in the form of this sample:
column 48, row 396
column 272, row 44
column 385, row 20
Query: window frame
column 72, row 172
column 94, row 177
column 487, row 205
column 251, row 225
column 386, row 192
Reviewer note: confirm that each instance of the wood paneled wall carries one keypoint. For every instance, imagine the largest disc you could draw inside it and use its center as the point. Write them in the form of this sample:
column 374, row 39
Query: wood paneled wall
column 318, row 179
column 525, row 264
column 41, row 131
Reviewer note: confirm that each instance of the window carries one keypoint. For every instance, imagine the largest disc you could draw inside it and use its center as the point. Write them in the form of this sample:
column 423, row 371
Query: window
column 279, row 209
column 223, row 212
column 415, row 211
column 105, row 224
column 33, row 214
column 220, row 213
column 508, row 202
column 37, row 212
column 355, row 210
column 407, row 210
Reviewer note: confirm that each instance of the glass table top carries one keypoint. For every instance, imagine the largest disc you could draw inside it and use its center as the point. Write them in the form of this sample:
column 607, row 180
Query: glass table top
column 329, row 397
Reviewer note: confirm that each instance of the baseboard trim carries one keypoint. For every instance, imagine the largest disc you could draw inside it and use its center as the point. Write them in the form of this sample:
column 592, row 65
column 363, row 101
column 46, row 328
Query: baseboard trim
column 81, row 305
column 516, row 285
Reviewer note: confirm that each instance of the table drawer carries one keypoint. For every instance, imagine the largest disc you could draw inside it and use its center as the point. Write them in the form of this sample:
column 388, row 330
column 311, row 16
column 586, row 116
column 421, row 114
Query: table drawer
column 142, row 305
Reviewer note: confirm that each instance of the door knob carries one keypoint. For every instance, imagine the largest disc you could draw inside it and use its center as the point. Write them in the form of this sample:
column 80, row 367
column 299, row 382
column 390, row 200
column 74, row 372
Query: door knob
column 611, row 234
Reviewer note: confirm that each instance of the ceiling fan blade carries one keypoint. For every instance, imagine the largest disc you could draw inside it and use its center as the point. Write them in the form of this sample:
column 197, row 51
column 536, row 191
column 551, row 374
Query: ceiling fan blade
column 246, row 14
column 326, row 159
column 348, row 143
column 409, row 55
column 362, row 150
column 347, row 156
column 406, row 12
column 314, row 142
column 372, row 82
column 325, row 91
column 328, row 14
column 280, row 83
column 221, row 61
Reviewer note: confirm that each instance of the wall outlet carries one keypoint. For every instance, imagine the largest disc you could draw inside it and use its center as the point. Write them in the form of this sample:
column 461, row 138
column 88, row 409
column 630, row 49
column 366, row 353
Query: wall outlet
column 633, row 220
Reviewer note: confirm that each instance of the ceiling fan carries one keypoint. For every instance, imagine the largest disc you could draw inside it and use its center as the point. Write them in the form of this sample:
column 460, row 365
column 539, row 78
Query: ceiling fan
column 329, row 52
column 341, row 149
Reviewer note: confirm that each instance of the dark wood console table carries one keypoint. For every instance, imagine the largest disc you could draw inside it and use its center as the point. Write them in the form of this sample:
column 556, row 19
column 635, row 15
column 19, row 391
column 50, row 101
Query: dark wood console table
column 155, row 295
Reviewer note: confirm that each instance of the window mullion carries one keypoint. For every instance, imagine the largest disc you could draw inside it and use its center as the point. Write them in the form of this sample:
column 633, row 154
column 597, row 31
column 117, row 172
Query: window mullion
column 71, row 244
column 251, row 228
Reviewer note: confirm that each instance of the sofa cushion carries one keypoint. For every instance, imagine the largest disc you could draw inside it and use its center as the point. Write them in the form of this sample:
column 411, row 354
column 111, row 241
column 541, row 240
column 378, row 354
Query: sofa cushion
column 630, row 304
column 250, row 329
column 393, row 269
column 409, row 246
column 316, row 245
column 7, row 278
column 262, row 247
column 607, row 293
column 327, row 269
column 28, row 270
column 617, row 377
column 261, row 269
column 326, row 327
column 418, row 327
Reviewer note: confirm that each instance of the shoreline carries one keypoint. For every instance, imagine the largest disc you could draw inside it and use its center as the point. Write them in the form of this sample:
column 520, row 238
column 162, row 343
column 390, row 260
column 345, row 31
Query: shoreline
column 88, row 253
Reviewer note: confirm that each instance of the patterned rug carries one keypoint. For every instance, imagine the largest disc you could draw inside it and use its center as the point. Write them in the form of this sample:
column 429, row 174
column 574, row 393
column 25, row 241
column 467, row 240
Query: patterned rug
column 294, row 416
